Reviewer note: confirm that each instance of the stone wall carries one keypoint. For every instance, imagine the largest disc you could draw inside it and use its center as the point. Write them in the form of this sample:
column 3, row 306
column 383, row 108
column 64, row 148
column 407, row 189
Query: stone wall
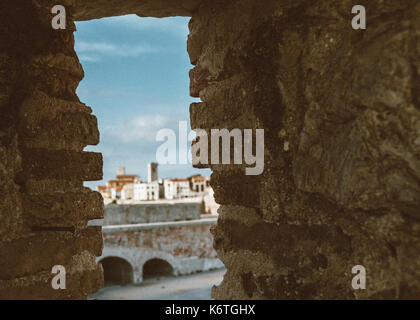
column 186, row 245
column 44, row 208
column 150, row 212
column 340, row 109
column 95, row 9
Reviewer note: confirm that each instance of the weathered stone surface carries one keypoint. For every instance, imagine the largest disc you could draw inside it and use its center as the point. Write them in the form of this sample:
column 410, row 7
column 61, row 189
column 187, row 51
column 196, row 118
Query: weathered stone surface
column 44, row 208
column 116, row 214
column 340, row 112
column 64, row 209
column 71, row 126
column 88, row 9
column 59, row 164
column 44, row 249
column 83, row 277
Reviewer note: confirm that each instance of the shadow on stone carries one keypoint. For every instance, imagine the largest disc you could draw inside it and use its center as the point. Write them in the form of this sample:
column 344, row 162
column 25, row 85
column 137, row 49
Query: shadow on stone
column 117, row 271
column 156, row 268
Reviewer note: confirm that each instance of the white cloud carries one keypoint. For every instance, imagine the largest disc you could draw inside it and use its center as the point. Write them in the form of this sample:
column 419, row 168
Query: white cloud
column 87, row 58
column 111, row 49
column 139, row 129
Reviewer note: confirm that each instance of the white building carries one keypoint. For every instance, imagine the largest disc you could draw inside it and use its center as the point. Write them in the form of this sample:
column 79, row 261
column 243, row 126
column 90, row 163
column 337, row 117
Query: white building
column 146, row 191
column 119, row 188
column 211, row 206
column 177, row 188
column 116, row 193
column 127, row 192
column 198, row 184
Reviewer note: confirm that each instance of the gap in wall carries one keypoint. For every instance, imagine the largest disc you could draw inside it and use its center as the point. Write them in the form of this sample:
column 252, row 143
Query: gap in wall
column 136, row 82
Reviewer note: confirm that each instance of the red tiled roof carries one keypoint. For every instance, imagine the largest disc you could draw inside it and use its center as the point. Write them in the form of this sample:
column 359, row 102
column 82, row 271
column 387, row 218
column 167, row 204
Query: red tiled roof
column 127, row 176
column 121, row 180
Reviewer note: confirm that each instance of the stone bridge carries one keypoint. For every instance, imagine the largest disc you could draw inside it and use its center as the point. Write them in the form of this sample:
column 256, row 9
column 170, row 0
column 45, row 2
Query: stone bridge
column 134, row 252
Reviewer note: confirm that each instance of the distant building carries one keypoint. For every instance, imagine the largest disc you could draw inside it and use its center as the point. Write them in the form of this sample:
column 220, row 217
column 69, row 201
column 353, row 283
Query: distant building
column 198, row 184
column 177, row 188
column 211, row 206
column 127, row 192
column 129, row 187
column 120, row 171
column 114, row 188
column 152, row 172
column 146, row 191
column 105, row 192
column 128, row 177
column 116, row 192
column 150, row 190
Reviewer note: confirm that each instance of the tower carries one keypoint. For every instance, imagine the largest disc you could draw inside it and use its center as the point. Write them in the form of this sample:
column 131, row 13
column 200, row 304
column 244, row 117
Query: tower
column 152, row 173
column 120, row 171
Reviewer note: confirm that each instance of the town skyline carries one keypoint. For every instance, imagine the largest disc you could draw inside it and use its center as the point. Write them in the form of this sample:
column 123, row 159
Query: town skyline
column 129, row 187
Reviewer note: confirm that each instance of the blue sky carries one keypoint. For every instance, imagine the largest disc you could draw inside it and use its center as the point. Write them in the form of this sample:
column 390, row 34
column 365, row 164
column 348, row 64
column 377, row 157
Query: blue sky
column 136, row 81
